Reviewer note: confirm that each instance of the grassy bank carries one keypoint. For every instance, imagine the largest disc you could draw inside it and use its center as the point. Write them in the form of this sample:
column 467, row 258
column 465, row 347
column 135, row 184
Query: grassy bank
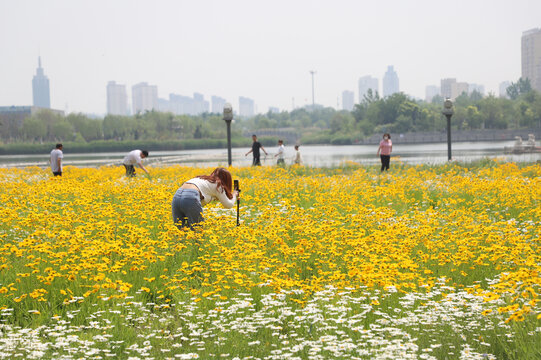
column 127, row 145
column 427, row 262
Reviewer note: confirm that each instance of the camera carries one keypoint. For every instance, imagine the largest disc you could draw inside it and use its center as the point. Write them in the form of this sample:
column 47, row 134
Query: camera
column 236, row 185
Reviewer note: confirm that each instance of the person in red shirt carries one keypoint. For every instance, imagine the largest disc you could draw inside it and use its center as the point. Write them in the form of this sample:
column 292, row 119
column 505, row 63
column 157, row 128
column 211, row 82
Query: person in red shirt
column 384, row 151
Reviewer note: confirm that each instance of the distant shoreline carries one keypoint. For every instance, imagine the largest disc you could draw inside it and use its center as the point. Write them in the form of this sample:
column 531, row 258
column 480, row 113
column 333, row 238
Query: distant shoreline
column 103, row 146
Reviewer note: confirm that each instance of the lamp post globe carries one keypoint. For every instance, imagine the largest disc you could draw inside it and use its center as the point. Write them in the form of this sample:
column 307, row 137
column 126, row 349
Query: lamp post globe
column 448, row 111
column 228, row 112
column 228, row 117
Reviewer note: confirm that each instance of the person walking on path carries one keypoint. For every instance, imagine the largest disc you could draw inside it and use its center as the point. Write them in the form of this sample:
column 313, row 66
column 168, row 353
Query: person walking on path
column 280, row 153
column 189, row 199
column 256, row 145
column 133, row 158
column 56, row 160
column 297, row 160
column 384, row 151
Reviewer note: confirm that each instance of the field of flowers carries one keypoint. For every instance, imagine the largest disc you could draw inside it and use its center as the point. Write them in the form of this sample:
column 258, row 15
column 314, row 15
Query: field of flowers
column 423, row 262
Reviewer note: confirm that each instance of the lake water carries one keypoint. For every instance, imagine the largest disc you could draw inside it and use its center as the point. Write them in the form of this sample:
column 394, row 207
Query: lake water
column 319, row 156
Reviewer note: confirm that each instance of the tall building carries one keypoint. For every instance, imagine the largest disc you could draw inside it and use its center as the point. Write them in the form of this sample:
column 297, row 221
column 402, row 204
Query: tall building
column 452, row 89
column 40, row 88
column 200, row 104
column 446, row 85
column 390, row 82
column 431, row 91
column 246, row 106
column 218, row 104
column 476, row 87
column 347, row 100
column 365, row 83
column 503, row 88
column 165, row 105
column 117, row 99
column 531, row 57
column 184, row 105
column 274, row 110
column 144, row 97
column 458, row 88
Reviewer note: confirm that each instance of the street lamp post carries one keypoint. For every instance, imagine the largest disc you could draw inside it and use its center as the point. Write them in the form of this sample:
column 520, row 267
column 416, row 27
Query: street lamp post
column 313, row 98
column 228, row 117
column 448, row 111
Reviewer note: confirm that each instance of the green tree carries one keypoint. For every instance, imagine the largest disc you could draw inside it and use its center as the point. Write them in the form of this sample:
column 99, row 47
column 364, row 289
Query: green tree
column 116, row 127
column 49, row 119
column 34, row 129
column 342, row 122
column 89, row 129
column 437, row 100
column 370, row 97
column 62, row 130
column 522, row 86
column 475, row 119
column 492, row 114
column 476, row 95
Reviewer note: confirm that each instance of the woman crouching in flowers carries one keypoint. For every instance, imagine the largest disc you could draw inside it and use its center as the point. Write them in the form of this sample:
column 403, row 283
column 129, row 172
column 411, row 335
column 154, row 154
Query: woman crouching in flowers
column 188, row 201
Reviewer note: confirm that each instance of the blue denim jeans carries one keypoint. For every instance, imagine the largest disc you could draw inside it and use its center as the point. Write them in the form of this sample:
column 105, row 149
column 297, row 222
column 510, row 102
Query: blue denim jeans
column 186, row 208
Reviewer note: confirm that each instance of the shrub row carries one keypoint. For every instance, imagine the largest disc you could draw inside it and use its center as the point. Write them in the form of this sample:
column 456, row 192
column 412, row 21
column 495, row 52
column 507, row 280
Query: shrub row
column 127, row 145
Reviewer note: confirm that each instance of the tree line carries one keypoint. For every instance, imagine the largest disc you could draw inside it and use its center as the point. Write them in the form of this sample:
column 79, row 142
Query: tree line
column 398, row 113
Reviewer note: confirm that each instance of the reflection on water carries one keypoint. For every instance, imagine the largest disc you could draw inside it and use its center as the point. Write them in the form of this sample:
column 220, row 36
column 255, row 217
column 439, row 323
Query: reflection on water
column 320, row 156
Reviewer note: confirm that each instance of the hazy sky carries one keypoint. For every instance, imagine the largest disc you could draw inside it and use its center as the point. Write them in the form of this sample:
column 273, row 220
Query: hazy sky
column 259, row 49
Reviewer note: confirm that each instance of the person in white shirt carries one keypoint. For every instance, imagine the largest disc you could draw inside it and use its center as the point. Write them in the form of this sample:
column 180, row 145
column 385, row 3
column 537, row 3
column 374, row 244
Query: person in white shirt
column 280, row 153
column 297, row 159
column 188, row 201
column 56, row 160
column 133, row 158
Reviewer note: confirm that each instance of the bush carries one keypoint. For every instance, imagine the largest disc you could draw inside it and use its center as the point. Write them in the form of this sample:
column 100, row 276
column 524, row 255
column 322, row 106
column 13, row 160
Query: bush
column 124, row 146
column 323, row 137
column 342, row 140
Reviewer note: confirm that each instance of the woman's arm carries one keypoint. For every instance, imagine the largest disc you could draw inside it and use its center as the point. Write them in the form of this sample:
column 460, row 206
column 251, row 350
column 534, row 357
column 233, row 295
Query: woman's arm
column 226, row 202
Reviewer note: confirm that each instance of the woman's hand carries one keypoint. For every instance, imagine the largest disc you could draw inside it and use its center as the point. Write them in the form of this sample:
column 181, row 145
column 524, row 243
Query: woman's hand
column 236, row 193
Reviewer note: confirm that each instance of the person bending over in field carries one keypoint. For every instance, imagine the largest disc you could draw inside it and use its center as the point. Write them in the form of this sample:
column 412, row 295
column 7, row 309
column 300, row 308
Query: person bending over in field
column 133, row 158
column 188, row 201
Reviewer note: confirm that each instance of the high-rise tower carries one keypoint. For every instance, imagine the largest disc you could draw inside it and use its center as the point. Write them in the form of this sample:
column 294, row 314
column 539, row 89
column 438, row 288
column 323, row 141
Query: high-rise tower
column 117, row 100
column 367, row 83
column 40, row 88
column 390, row 82
column 348, row 100
column 144, row 97
column 531, row 57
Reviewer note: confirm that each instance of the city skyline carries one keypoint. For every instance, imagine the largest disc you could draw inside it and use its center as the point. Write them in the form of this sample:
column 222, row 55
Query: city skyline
column 145, row 98
column 186, row 48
